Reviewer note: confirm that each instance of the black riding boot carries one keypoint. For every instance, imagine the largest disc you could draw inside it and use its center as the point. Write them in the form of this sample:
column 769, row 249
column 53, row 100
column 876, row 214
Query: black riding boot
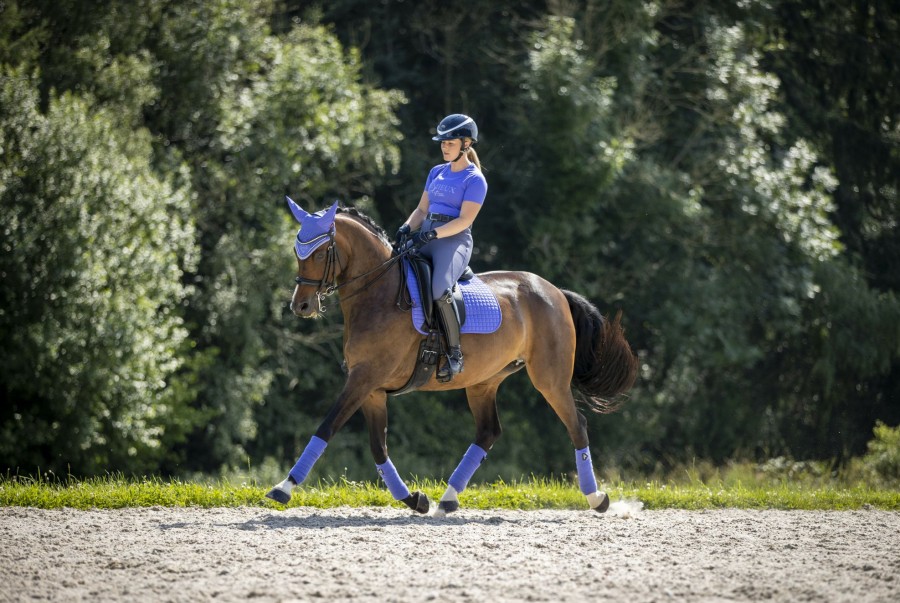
column 450, row 320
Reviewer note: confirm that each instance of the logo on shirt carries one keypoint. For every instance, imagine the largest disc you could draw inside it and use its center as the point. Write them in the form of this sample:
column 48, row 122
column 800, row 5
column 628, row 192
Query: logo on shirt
column 444, row 189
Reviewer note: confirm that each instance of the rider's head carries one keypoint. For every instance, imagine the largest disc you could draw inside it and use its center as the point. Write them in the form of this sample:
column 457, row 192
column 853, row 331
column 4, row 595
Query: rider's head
column 462, row 128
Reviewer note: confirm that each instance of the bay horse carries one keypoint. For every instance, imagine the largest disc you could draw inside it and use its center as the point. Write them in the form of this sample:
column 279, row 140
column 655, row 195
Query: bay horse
column 557, row 336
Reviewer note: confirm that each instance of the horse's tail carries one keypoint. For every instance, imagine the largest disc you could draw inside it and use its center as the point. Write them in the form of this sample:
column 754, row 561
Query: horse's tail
column 605, row 366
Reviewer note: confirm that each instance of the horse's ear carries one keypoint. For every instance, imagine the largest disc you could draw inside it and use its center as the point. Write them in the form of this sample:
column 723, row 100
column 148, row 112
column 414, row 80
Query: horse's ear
column 329, row 215
column 299, row 212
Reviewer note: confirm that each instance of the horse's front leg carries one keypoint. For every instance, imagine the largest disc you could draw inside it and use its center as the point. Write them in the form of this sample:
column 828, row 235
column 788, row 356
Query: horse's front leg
column 354, row 395
column 375, row 412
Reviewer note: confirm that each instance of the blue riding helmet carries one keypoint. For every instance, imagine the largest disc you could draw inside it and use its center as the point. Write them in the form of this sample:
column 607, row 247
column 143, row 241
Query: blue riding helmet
column 456, row 126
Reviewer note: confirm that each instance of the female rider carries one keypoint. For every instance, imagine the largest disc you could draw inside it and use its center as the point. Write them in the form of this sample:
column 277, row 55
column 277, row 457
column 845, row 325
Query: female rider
column 453, row 195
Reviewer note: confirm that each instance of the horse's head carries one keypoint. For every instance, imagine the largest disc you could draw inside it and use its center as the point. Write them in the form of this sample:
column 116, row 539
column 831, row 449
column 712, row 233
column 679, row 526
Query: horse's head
column 316, row 259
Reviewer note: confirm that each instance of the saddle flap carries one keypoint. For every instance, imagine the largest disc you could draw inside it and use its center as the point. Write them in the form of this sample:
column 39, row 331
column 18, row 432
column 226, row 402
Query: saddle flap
column 460, row 305
column 422, row 269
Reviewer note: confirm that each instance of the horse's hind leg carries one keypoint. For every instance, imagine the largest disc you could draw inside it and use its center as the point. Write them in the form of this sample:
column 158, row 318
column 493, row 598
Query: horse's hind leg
column 564, row 405
column 559, row 395
column 375, row 412
column 483, row 404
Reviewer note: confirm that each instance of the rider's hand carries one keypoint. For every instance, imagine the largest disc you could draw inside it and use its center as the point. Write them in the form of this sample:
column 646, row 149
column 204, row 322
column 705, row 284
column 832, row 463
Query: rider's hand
column 401, row 235
column 419, row 240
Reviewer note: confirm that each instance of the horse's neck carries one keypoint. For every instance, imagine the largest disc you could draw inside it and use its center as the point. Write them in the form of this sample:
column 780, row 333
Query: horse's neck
column 365, row 255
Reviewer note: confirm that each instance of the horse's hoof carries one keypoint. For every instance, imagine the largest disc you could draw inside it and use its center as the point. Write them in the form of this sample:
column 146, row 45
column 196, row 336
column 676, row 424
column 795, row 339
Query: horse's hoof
column 418, row 502
column 599, row 502
column 448, row 506
column 279, row 496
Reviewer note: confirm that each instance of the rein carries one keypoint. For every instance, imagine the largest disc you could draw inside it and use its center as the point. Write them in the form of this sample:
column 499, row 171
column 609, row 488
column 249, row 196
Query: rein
column 330, row 265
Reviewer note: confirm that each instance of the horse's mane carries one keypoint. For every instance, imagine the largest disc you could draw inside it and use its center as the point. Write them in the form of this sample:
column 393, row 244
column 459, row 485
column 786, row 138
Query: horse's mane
column 366, row 221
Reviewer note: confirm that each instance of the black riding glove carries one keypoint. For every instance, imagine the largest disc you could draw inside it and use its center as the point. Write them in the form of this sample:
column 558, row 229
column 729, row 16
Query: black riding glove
column 419, row 240
column 401, row 235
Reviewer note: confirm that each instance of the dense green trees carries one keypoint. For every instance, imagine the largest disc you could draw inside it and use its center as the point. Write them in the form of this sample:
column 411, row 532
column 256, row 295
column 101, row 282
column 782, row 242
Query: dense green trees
column 651, row 156
column 94, row 245
column 726, row 174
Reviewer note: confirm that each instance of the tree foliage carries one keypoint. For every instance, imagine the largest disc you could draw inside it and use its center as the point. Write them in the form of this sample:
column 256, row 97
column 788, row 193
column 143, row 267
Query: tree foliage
column 724, row 173
column 94, row 244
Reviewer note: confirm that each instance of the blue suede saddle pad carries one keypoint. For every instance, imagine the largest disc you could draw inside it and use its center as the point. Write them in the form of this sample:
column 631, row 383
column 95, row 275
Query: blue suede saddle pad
column 482, row 309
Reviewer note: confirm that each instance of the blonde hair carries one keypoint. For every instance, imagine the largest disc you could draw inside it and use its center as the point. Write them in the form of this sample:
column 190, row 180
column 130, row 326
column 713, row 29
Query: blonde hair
column 471, row 155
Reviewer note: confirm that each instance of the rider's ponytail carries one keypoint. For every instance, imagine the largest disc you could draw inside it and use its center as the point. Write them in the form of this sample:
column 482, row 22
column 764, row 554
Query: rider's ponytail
column 472, row 155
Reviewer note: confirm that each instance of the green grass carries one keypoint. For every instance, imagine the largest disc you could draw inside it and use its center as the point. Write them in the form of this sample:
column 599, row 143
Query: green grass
column 112, row 492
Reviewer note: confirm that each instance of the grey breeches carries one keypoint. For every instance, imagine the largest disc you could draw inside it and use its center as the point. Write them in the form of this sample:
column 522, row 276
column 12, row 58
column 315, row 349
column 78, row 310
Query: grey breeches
column 449, row 256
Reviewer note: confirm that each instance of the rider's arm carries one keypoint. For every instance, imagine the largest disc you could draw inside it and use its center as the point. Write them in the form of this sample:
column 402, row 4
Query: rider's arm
column 467, row 214
column 416, row 218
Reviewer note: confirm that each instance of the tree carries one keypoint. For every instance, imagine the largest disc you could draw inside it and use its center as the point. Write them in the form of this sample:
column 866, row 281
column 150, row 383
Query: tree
column 724, row 173
column 93, row 250
column 837, row 69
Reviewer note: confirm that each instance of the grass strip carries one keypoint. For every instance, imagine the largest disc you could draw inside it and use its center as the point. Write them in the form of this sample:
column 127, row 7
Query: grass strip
column 114, row 492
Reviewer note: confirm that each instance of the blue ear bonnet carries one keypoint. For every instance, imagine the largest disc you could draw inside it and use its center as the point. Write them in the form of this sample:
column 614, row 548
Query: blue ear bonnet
column 315, row 229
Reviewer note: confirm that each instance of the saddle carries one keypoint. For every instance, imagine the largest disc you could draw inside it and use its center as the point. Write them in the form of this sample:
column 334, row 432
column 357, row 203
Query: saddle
column 431, row 349
column 422, row 269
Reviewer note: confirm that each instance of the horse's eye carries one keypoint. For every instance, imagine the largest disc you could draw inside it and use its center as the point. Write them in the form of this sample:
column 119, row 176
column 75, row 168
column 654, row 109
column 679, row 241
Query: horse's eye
column 320, row 255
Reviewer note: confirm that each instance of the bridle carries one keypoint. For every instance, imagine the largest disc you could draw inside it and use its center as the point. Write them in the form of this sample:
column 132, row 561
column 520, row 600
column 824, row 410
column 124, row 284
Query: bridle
column 323, row 288
column 332, row 262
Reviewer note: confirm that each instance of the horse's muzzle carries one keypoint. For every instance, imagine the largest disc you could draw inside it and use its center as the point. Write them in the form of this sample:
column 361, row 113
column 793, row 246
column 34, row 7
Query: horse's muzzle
column 305, row 308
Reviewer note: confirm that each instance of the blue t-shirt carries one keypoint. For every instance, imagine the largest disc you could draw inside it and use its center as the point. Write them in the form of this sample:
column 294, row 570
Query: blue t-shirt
column 448, row 189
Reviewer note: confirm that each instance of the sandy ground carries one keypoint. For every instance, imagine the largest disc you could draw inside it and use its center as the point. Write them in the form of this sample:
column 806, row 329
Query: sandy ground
column 388, row 554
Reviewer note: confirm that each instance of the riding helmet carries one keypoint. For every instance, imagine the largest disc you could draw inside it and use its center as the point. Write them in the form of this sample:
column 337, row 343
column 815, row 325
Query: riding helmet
column 457, row 126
